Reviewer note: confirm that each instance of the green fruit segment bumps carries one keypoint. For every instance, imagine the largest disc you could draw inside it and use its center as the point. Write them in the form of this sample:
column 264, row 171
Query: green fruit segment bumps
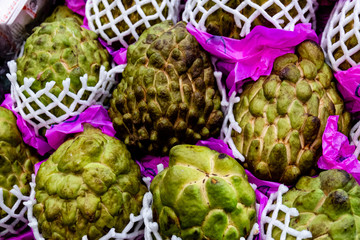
column 203, row 194
column 328, row 206
column 223, row 23
column 88, row 186
column 16, row 160
column 283, row 116
column 168, row 94
column 59, row 49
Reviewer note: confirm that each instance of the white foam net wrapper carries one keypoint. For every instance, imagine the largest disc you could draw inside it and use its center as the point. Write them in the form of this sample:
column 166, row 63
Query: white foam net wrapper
column 14, row 220
column 196, row 13
column 342, row 29
column 22, row 104
column 355, row 138
column 117, row 14
column 133, row 230
column 274, row 206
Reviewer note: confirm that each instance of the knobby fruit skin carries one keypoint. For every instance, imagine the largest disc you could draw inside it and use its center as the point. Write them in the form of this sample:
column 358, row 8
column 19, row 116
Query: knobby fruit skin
column 222, row 23
column 203, row 194
column 283, row 116
column 16, row 161
column 59, row 49
column 88, row 186
column 328, row 206
column 168, row 94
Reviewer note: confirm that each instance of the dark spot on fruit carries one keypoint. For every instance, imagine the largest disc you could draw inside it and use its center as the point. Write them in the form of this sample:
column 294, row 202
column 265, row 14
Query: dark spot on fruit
column 222, row 156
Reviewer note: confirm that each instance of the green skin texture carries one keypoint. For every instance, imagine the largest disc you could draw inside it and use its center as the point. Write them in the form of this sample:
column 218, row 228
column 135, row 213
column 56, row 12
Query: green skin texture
column 88, row 186
column 222, row 23
column 59, row 50
column 350, row 43
column 283, row 116
column 328, row 206
column 202, row 195
column 62, row 12
column 16, row 160
column 168, row 94
column 134, row 17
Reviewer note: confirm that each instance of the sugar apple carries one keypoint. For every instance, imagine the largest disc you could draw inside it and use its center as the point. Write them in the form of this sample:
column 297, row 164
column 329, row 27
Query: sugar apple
column 220, row 19
column 168, row 93
column 56, row 51
column 328, row 206
column 203, row 194
column 343, row 34
column 283, row 116
column 130, row 18
column 16, row 162
column 88, row 186
column 62, row 12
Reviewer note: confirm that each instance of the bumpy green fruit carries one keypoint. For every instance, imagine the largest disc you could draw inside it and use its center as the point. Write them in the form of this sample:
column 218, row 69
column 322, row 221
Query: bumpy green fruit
column 168, row 93
column 122, row 25
column 62, row 12
column 328, row 206
column 221, row 22
column 59, row 50
column 203, row 195
column 88, row 186
column 16, row 160
column 283, row 116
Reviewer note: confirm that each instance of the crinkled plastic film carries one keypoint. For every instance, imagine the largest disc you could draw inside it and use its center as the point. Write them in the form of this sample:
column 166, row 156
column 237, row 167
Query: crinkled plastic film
column 98, row 94
column 133, row 230
column 196, row 14
column 14, row 220
column 96, row 25
column 343, row 13
column 275, row 205
column 355, row 138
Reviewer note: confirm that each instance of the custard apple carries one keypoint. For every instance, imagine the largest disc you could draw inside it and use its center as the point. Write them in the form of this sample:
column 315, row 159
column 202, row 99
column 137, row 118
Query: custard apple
column 283, row 116
column 341, row 39
column 56, row 51
column 220, row 19
column 328, row 206
column 168, row 94
column 62, row 12
column 88, row 186
column 16, row 162
column 203, row 194
column 131, row 18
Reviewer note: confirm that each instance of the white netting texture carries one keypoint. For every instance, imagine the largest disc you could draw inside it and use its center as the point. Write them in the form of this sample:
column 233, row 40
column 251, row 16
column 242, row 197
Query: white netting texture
column 14, row 219
column 42, row 116
column 341, row 37
column 213, row 14
column 123, row 21
column 133, row 230
column 355, row 138
column 275, row 205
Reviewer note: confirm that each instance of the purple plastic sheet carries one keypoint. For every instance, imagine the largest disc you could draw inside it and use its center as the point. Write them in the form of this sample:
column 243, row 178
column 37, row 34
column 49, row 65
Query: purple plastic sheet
column 264, row 188
column 349, row 86
column 95, row 115
column 27, row 131
column 78, row 6
column 253, row 56
column 337, row 152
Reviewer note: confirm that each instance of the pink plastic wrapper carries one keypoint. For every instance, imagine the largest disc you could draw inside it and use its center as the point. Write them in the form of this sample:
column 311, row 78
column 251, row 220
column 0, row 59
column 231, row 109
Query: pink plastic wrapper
column 264, row 188
column 337, row 152
column 349, row 87
column 27, row 131
column 95, row 115
column 78, row 6
column 25, row 236
column 254, row 55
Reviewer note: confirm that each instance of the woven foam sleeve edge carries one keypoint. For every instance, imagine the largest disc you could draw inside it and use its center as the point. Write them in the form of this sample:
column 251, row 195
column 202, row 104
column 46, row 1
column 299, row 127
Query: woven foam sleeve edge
column 98, row 94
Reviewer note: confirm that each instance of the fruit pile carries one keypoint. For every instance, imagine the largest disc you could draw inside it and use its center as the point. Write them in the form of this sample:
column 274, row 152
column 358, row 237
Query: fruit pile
column 173, row 99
